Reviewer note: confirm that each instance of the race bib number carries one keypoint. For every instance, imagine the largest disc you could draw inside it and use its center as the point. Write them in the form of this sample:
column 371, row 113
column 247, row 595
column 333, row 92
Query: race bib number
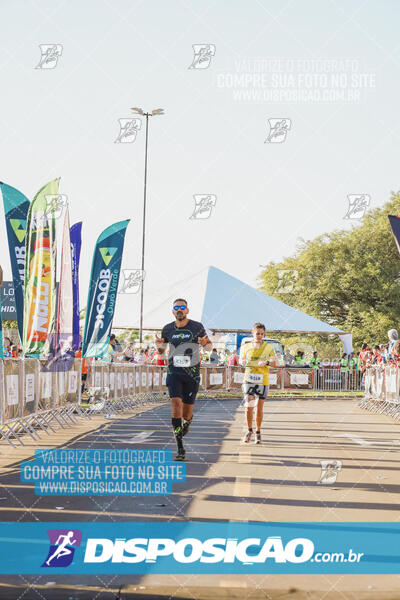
column 181, row 361
column 254, row 378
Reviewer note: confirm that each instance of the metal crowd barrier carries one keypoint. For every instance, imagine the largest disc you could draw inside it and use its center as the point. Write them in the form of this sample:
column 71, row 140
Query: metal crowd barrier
column 234, row 378
column 382, row 391
column 334, row 380
column 36, row 397
column 297, row 378
column 117, row 387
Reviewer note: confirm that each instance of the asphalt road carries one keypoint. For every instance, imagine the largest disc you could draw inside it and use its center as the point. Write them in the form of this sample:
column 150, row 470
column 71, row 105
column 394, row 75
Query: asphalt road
column 226, row 481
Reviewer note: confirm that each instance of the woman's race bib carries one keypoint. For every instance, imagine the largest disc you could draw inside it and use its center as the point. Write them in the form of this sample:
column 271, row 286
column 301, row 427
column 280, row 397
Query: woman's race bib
column 181, row 361
column 255, row 378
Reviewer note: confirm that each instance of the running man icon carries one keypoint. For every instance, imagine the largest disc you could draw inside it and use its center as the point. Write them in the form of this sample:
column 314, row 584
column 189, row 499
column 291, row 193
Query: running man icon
column 61, row 551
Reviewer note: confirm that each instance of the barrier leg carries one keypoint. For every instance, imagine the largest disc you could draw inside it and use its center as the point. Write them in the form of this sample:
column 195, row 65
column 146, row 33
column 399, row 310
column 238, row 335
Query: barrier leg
column 28, row 430
column 15, row 434
column 5, row 436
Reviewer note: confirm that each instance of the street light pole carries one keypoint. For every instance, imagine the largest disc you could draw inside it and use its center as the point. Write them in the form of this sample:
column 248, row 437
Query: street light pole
column 157, row 111
column 143, row 230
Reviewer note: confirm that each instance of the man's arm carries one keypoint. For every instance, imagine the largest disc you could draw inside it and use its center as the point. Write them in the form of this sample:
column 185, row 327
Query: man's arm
column 204, row 340
column 161, row 342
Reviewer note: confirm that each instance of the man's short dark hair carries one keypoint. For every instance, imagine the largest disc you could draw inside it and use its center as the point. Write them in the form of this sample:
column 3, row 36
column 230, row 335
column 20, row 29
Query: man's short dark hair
column 259, row 326
column 180, row 300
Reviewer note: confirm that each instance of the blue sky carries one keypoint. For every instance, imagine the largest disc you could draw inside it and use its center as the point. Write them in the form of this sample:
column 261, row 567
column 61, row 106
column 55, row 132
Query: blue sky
column 63, row 122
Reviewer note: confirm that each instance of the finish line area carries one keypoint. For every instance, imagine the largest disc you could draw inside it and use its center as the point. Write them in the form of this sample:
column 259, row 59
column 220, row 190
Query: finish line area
column 320, row 460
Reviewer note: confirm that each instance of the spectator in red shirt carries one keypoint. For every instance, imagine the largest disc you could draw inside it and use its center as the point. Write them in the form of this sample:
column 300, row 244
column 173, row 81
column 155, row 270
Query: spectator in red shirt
column 376, row 356
column 158, row 358
column 364, row 356
column 15, row 351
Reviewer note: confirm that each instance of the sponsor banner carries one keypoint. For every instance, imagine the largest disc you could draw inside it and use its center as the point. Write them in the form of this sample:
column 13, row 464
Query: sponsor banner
column 65, row 295
column 7, row 296
column 298, row 378
column 76, row 242
column 8, row 304
column 103, row 287
column 199, row 548
column 40, row 272
column 16, row 207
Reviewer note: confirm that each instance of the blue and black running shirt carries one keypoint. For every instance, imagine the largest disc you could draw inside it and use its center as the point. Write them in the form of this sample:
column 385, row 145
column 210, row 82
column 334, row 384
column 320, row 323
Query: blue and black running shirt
column 183, row 356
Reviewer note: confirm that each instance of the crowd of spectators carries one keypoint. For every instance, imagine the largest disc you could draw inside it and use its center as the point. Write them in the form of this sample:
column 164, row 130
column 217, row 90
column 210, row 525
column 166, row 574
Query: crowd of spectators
column 375, row 355
column 379, row 354
column 150, row 355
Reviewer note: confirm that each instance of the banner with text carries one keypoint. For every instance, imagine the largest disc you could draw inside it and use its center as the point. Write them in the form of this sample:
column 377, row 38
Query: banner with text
column 103, row 286
column 76, row 242
column 40, row 270
column 199, row 548
column 16, row 207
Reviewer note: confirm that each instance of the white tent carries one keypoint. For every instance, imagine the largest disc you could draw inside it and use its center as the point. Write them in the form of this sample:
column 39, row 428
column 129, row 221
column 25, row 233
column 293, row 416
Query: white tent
column 224, row 303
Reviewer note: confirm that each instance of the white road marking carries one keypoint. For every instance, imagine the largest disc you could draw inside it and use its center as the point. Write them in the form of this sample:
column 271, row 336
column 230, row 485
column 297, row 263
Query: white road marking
column 362, row 442
column 138, row 438
column 242, row 485
column 244, row 456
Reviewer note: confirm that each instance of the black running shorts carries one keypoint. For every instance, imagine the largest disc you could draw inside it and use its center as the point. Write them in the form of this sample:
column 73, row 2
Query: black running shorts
column 182, row 386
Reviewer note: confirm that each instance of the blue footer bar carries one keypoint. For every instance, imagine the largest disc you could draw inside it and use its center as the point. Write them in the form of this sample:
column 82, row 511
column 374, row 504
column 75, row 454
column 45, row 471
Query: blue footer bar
column 204, row 548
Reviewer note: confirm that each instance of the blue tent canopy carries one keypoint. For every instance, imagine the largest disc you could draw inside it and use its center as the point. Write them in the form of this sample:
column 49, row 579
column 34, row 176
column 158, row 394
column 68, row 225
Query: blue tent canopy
column 231, row 305
column 222, row 303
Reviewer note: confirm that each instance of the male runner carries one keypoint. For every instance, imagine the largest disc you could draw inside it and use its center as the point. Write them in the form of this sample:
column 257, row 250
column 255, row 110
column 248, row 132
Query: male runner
column 256, row 357
column 183, row 376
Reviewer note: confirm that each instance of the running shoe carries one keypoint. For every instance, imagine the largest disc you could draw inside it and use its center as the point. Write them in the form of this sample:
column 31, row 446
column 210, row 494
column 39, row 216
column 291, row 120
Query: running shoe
column 257, row 439
column 181, row 454
column 247, row 437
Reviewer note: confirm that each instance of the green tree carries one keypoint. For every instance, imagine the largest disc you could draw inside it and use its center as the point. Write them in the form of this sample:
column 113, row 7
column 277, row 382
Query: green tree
column 348, row 278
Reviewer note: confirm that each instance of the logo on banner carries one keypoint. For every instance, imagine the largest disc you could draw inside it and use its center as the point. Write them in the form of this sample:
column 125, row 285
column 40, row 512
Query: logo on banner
column 107, row 254
column 19, row 228
column 62, row 547
column 191, row 550
column 278, row 129
column 203, row 54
